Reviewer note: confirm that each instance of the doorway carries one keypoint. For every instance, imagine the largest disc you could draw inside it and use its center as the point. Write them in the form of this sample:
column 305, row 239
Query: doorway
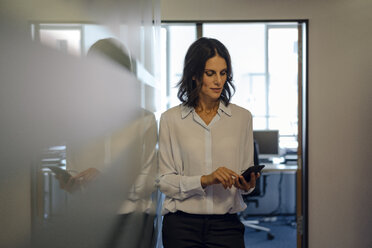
column 269, row 66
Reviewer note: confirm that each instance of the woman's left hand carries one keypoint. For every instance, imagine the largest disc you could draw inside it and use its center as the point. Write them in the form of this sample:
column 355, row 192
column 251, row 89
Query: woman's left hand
column 241, row 183
column 87, row 175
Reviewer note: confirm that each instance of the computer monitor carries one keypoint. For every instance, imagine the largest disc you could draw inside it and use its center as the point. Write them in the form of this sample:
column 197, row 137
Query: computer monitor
column 268, row 143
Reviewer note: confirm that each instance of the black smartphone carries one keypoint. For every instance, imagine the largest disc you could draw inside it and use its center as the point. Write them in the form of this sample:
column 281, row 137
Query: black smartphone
column 256, row 169
column 60, row 172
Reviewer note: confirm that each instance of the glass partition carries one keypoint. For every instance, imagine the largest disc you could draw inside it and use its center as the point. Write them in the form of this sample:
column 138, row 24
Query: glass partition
column 80, row 86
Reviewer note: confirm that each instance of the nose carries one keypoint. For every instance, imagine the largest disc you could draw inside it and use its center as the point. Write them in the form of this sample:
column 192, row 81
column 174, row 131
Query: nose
column 218, row 79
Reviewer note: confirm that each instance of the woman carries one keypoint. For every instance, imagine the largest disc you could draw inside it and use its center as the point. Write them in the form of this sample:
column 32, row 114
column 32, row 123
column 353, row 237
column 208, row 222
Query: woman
column 204, row 145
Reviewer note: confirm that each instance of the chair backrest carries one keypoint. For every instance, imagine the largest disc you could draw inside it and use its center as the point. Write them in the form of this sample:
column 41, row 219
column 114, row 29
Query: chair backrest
column 256, row 152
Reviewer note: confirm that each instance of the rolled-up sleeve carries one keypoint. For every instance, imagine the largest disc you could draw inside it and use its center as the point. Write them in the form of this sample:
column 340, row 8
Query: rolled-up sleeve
column 171, row 182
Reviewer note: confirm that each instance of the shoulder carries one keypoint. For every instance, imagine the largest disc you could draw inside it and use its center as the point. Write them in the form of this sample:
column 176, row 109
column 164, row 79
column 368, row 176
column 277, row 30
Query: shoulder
column 172, row 113
column 237, row 110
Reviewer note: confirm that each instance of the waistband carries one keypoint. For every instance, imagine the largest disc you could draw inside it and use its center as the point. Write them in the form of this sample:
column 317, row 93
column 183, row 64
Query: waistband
column 205, row 216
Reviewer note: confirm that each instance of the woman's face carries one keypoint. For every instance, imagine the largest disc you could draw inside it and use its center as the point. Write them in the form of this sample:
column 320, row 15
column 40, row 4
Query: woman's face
column 214, row 78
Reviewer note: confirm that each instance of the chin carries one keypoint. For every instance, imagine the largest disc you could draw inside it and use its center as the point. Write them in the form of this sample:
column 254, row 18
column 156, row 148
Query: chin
column 215, row 98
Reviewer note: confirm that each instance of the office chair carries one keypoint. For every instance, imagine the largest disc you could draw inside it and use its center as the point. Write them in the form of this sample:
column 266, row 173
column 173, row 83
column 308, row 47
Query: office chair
column 253, row 197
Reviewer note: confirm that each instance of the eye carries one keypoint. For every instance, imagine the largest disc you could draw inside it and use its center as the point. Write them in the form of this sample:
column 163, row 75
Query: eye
column 209, row 73
column 223, row 73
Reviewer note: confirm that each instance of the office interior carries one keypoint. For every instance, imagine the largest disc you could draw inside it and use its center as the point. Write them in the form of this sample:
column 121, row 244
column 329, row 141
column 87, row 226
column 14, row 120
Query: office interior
column 337, row 105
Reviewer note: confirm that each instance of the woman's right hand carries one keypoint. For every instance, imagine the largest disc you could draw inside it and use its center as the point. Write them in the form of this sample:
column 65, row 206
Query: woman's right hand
column 70, row 186
column 221, row 175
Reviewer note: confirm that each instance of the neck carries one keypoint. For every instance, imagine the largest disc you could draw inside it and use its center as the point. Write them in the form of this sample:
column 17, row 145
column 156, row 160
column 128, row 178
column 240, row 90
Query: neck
column 208, row 107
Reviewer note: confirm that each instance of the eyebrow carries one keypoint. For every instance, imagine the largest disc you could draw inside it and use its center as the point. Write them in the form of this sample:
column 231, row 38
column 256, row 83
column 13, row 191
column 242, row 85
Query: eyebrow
column 225, row 69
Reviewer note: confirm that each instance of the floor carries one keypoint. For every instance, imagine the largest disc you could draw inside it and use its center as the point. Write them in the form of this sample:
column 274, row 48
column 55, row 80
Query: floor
column 282, row 228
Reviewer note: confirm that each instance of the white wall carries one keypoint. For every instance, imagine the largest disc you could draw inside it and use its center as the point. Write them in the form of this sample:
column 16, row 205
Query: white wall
column 340, row 101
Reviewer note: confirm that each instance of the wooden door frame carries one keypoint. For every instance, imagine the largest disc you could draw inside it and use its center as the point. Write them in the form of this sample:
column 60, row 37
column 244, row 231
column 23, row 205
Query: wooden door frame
column 302, row 151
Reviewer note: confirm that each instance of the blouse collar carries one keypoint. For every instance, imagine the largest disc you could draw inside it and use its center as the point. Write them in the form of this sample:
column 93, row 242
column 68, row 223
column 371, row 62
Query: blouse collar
column 222, row 108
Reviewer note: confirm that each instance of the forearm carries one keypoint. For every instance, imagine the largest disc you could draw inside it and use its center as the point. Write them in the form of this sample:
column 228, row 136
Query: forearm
column 180, row 187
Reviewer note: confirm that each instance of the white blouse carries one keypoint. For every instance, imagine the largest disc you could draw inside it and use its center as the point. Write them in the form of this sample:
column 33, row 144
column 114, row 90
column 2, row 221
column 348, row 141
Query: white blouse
column 188, row 149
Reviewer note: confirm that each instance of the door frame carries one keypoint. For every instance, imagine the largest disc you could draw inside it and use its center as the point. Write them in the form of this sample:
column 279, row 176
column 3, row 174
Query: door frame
column 302, row 214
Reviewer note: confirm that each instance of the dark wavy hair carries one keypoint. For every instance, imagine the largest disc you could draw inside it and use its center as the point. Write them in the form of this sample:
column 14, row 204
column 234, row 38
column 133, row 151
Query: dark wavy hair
column 196, row 57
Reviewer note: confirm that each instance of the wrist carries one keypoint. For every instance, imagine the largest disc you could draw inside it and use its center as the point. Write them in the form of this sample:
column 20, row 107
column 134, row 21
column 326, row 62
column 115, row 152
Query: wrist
column 204, row 181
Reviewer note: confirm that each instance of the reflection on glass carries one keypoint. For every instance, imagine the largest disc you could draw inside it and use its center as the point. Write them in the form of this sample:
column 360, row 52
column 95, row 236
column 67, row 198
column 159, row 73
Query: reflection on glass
column 65, row 38
column 77, row 168
column 91, row 163
column 58, row 198
column 82, row 121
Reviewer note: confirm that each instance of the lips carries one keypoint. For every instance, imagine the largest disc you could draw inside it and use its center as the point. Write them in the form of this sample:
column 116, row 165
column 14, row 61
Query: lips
column 216, row 89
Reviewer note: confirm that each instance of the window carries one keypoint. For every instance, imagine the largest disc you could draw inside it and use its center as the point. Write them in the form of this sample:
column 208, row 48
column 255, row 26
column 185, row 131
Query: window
column 265, row 68
column 175, row 39
column 63, row 37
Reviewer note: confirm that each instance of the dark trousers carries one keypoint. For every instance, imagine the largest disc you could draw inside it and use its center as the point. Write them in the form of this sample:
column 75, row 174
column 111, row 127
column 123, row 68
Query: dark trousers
column 181, row 230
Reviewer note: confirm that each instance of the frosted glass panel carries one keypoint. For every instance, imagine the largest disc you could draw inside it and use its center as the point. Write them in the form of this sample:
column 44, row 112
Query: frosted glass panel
column 79, row 84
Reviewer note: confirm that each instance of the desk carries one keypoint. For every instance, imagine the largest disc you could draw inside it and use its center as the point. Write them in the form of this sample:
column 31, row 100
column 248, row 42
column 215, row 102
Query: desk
column 280, row 195
column 279, row 168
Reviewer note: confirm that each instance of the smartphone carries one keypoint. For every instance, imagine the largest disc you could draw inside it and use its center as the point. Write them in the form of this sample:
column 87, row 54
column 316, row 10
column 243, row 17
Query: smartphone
column 256, row 169
column 60, row 172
